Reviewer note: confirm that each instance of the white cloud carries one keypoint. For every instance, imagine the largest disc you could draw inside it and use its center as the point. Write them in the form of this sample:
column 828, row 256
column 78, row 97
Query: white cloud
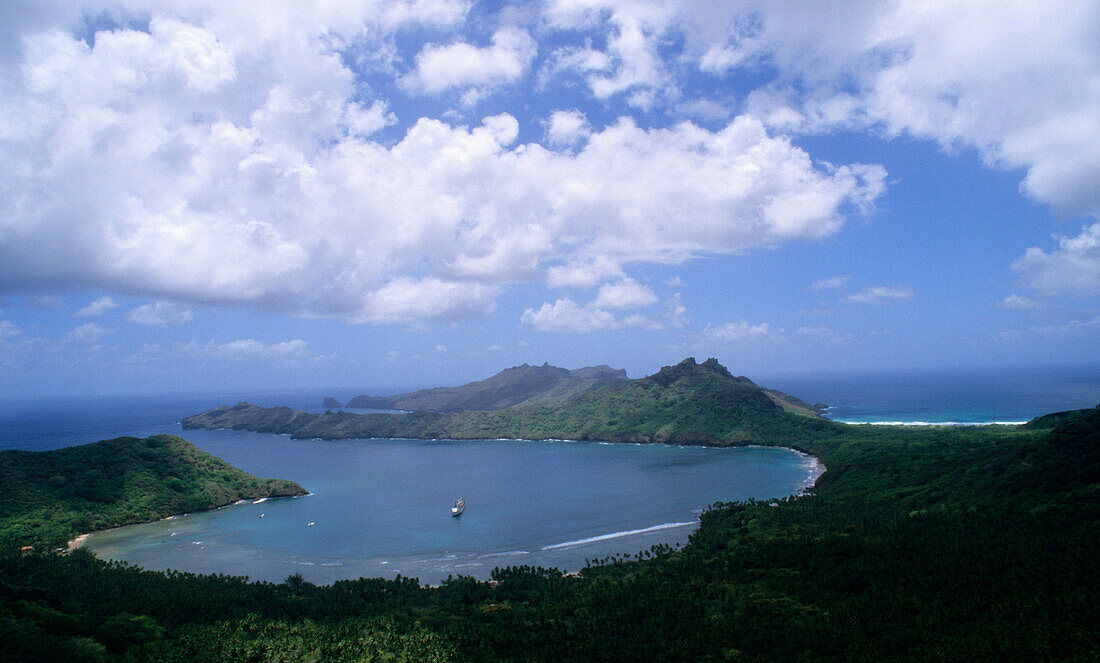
column 1018, row 303
column 408, row 300
column 160, row 314
column 88, row 334
column 624, row 294
column 1072, row 269
column 567, row 128
column 831, row 283
column 565, row 315
column 737, row 332
column 1016, row 82
column 583, row 274
column 252, row 349
column 98, row 307
column 210, row 163
column 439, row 68
column 880, row 294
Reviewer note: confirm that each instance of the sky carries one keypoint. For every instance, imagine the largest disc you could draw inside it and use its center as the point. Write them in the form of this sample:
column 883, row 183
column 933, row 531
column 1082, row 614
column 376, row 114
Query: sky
column 308, row 194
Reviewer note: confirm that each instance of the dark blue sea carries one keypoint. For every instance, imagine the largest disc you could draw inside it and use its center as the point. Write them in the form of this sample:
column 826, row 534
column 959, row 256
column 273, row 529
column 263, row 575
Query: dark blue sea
column 381, row 507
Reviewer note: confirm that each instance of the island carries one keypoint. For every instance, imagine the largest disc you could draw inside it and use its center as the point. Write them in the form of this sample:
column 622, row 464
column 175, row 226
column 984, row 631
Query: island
column 331, row 403
column 688, row 403
column 51, row 497
column 917, row 543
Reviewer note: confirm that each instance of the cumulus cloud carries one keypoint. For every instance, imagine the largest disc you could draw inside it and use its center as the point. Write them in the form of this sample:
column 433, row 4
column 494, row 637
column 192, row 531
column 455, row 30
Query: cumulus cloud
column 98, row 307
column 567, row 128
column 1017, row 83
column 583, row 274
column 206, row 163
column 88, row 334
column 566, row 315
column 1072, row 269
column 879, row 294
column 160, row 314
column 442, row 67
column 737, row 332
column 926, row 70
column 624, row 294
column 270, row 196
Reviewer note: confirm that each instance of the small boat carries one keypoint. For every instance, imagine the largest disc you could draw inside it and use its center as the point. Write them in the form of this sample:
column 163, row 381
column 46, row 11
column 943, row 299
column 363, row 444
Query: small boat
column 310, row 524
column 458, row 507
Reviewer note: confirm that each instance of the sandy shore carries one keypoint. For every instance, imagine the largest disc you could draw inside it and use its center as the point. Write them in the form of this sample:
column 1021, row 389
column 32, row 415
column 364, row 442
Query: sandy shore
column 78, row 541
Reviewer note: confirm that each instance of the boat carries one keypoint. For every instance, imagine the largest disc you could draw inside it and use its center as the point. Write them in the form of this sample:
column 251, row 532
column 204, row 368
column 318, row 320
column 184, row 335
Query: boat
column 458, row 507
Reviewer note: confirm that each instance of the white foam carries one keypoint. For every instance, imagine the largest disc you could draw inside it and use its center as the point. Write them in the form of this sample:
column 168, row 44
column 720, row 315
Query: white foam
column 616, row 535
column 932, row 423
column 260, row 501
column 510, row 553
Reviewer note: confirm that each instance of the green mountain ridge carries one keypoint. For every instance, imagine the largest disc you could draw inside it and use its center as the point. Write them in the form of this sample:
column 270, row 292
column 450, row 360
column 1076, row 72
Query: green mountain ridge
column 51, row 496
column 519, row 385
column 687, row 403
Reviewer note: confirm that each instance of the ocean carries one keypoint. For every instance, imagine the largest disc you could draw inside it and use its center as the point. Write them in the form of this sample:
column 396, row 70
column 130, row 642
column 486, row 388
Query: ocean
column 379, row 508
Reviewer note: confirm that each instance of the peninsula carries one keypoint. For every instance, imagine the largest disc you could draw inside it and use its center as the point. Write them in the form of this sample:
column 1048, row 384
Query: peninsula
column 49, row 497
column 688, row 403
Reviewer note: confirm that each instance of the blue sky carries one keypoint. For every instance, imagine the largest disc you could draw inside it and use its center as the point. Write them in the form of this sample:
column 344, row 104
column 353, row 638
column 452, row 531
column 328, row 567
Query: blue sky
column 201, row 196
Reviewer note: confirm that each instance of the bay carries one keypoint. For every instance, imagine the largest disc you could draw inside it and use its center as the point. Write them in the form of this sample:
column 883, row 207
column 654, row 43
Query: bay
column 380, row 508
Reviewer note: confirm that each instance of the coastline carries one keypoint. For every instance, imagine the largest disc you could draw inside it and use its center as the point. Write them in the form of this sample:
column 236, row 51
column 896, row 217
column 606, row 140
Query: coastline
column 79, row 540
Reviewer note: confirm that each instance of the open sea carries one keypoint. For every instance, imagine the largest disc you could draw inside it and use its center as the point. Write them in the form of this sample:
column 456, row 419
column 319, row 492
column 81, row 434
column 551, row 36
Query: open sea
column 379, row 508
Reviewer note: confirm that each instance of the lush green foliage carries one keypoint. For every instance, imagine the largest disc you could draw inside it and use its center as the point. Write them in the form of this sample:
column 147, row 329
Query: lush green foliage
column 917, row 544
column 49, row 497
column 687, row 403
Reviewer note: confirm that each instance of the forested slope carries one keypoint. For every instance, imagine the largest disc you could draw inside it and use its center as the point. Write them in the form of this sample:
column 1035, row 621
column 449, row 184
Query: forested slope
column 48, row 497
column 917, row 544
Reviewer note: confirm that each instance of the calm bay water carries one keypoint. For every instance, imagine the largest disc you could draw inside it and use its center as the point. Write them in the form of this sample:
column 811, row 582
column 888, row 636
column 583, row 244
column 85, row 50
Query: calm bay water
column 381, row 507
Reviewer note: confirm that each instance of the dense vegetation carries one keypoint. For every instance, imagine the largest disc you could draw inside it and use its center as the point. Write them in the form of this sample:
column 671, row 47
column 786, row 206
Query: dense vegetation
column 917, row 544
column 688, row 403
column 49, row 497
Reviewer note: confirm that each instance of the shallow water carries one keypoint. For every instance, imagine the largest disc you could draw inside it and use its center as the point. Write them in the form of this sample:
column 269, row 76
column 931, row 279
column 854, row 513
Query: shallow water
column 382, row 507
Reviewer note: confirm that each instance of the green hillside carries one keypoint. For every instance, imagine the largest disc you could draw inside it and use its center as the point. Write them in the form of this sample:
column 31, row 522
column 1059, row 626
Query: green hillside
column 689, row 403
column 520, row 385
column 917, row 544
column 49, row 497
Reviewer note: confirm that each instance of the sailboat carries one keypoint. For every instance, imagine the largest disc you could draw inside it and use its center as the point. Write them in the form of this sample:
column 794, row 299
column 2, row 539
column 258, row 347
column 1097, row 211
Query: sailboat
column 458, row 507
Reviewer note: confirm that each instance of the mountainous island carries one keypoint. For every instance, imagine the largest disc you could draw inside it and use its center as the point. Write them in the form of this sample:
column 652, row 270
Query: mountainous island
column 918, row 543
column 49, row 497
column 688, row 403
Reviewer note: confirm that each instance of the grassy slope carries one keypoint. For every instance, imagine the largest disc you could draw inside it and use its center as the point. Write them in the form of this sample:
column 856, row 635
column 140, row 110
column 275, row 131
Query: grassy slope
column 687, row 403
column 544, row 385
column 50, row 496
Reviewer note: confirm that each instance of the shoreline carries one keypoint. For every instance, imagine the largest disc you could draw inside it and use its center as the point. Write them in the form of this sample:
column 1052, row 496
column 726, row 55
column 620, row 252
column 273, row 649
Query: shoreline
column 811, row 469
column 80, row 539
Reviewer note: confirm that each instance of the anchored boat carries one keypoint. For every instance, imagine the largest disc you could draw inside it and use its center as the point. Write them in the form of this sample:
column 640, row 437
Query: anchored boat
column 458, row 507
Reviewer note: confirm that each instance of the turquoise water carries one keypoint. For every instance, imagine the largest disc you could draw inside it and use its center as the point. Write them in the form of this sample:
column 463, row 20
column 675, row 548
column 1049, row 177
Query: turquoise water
column 382, row 507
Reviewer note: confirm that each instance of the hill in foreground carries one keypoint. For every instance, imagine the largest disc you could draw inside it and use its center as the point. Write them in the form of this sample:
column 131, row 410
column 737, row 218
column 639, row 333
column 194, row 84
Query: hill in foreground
column 688, row 403
column 51, row 496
